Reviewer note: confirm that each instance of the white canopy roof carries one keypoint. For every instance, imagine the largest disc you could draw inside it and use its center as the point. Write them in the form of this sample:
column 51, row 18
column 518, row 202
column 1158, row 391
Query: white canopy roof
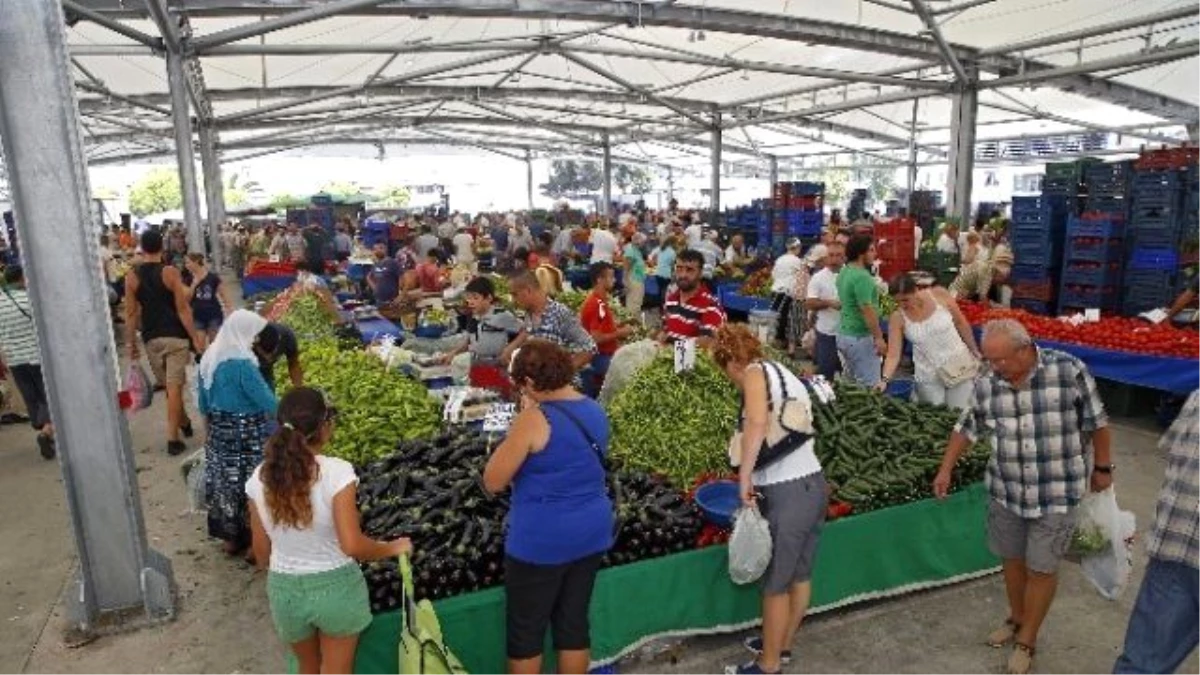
column 795, row 79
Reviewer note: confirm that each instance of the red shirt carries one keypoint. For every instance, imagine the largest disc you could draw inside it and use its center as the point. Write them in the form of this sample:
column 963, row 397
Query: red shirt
column 597, row 316
column 429, row 276
column 700, row 316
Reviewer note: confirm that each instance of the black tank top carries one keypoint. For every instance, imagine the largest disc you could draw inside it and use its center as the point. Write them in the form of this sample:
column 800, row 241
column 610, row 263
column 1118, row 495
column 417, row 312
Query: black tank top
column 159, row 318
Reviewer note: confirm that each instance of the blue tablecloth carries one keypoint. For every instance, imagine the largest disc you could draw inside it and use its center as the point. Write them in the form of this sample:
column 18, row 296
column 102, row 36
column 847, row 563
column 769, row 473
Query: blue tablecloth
column 742, row 303
column 373, row 329
column 358, row 272
column 254, row 284
column 1178, row 376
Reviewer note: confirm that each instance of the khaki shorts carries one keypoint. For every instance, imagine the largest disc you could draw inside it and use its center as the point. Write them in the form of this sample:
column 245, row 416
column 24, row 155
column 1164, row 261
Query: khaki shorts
column 1040, row 542
column 168, row 359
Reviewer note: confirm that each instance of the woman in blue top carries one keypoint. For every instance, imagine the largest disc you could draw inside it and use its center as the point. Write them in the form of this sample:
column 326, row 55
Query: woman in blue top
column 237, row 402
column 560, row 523
column 210, row 298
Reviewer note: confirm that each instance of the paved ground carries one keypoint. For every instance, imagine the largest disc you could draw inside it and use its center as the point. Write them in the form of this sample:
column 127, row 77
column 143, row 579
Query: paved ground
column 223, row 624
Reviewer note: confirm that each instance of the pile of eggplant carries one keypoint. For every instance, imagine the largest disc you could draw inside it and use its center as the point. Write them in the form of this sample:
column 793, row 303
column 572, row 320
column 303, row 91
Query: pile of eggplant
column 432, row 492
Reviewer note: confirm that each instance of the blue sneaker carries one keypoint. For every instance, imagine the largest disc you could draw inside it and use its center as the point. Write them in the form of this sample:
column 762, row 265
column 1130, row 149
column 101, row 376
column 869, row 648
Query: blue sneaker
column 751, row 668
column 755, row 645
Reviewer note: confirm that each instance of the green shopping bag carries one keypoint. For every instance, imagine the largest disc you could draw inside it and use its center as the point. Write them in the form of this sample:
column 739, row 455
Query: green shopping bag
column 422, row 649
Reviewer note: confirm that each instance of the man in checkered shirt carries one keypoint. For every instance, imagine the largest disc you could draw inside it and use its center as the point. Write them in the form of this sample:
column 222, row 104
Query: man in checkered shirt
column 1041, row 412
column 1163, row 628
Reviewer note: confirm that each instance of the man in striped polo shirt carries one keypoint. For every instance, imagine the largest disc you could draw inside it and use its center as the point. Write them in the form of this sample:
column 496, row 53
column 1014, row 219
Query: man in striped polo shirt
column 18, row 343
column 690, row 311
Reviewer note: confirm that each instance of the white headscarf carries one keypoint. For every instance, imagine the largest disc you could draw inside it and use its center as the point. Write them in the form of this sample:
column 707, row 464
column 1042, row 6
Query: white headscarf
column 234, row 341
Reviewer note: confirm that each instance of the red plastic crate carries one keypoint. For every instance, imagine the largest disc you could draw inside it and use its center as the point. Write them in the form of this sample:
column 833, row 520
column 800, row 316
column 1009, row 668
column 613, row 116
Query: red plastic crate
column 1168, row 158
column 890, row 269
column 1035, row 290
column 806, row 202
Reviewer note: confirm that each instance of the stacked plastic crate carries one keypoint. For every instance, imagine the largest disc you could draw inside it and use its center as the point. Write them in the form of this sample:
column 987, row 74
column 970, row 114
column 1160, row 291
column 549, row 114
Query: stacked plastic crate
column 1091, row 271
column 1066, row 179
column 925, row 206
column 858, row 205
column 799, row 212
column 1038, row 227
column 895, row 247
column 1162, row 229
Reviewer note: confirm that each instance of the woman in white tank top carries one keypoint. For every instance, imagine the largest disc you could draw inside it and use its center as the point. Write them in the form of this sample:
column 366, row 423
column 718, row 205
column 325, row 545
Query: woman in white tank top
column 943, row 343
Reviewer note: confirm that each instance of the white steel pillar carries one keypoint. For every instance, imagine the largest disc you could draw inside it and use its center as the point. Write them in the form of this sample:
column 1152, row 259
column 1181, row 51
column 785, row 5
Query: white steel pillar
column 121, row 582
column 714, row 202
column 963, row 114
column 529, row 178
column 670, row 183
column 606, row 186
column 184, row 152
column 214, row 191
column 912, row 147
column 773, row 170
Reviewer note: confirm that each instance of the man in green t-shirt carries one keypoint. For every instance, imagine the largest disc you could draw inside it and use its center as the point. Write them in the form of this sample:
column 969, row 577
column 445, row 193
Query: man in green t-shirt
column 860, row 337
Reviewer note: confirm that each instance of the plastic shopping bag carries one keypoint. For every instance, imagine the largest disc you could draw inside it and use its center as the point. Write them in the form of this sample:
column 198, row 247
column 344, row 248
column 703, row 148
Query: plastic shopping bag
column 749, row 546
column 422, row 647
column 137, row 383
column 193, row 477
column 1104, row 541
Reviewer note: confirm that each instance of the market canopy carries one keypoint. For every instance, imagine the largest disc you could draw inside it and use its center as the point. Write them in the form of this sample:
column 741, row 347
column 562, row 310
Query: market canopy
column 790, row 79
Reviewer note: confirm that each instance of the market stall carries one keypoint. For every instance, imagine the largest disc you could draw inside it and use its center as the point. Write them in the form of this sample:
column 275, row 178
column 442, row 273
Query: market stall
column 927, row 544
column 378, row 328
column 1124, row 350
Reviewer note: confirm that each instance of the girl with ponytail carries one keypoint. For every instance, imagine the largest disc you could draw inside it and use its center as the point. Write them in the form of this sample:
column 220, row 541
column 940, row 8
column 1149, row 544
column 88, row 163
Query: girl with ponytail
column 305, row 522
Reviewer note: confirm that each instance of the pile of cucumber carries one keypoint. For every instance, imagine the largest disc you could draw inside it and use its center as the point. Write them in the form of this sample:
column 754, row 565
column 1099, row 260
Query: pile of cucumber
column 878, row 451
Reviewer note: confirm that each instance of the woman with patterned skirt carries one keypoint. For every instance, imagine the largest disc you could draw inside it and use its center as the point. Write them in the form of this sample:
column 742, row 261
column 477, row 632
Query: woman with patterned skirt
column 238, row 404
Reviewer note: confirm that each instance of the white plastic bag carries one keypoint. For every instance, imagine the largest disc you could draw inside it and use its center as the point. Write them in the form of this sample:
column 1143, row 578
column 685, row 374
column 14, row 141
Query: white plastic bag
column 1108, row 568
column 626, row 363
column 749, row 546
column 193, row 477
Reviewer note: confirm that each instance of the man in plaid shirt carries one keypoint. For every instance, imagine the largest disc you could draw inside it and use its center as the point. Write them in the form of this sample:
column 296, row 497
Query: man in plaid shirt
column 1163, row 628
column 1043, row 416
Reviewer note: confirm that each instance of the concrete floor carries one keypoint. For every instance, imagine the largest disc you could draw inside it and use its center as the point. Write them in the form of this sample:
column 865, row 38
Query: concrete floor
column 224, row 626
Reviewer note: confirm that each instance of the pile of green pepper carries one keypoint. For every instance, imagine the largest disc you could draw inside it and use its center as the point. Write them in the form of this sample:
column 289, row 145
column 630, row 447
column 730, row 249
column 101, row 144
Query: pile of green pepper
column 878, row 451
column 677, row 425
column 308, row 316
column 377, row 408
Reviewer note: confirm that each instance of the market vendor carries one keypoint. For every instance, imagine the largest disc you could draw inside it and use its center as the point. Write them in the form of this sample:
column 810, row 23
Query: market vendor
column 547, row 319
column 1185, row 299
column 494, row 327
column 429, row 273
column 384, row 277
column 598, row 320
column 276, row 341
column 735, row 253
column 985, row 280
column 690, row 311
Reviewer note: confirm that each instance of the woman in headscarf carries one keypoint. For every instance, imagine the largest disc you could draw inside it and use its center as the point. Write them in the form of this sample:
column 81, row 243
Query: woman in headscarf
column 237, row 402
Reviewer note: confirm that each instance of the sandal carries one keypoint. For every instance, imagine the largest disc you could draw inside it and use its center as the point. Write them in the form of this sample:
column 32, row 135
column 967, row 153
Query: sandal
column 1021, row 659
column 1004, row 634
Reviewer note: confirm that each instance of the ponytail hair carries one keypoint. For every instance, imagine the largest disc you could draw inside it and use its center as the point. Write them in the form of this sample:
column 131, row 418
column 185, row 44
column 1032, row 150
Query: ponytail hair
column 289, row 467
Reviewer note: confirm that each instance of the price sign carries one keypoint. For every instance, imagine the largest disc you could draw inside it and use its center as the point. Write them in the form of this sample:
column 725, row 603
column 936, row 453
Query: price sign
column 499, row 417
column 452, row 412
column 685, row 355
column 1091, row 315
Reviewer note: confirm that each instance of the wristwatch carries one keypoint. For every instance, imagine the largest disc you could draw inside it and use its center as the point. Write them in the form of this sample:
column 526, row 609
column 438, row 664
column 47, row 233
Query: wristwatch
column 1104, row 468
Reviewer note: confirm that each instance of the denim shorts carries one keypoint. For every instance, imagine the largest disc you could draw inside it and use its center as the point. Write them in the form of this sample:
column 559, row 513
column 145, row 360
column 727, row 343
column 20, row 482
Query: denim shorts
column 333, row 602
column 862, row 365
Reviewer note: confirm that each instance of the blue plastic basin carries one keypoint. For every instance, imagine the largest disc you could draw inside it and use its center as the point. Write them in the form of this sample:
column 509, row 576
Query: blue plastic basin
column 717, row 502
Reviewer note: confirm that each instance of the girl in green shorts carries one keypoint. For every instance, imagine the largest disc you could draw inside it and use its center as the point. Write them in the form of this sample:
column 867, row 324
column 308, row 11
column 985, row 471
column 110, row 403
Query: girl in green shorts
column 304, row 521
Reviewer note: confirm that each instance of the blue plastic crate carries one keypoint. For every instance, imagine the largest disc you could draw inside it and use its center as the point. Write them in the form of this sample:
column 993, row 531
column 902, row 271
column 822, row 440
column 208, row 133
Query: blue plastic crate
column 1033, row 306
column 1155, row 237
column 1150, row 279
column 1042, row 253
column 1146, row 298
column 806, row 189
column 1154, row 259
column 1172, row 178
column 1030, row 273
column 1084, row 297
column 1106, row 274
column 1095, row 227
column 1107, row 250
column 804, row 230
column 1108, row 172
column 1107, row 204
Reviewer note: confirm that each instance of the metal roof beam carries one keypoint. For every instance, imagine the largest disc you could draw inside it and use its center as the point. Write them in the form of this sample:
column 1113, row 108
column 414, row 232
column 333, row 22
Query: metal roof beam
column 1187, row 11
column 102, row 19
column 1175, row 52
column 666, row 103
column 1035, row 113
column 948, row 54
column 294, row 18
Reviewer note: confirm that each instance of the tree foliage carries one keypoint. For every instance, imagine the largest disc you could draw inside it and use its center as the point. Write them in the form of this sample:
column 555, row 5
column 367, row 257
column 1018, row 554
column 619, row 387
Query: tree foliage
column 155, row 192
column 571, row 178
column 632, row 179
column 340, row 189
column 284, row 201
column 392, row 196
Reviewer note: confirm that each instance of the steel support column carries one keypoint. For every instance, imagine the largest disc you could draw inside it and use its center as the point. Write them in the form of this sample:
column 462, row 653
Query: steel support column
column 529, row 178
column 714, row 202
column 912, row 147
column 773, row 170
column 606, row 186
column 121, row 581
column 184, row 152
column 1193, row 131
column 214, row 192
column 963, row 114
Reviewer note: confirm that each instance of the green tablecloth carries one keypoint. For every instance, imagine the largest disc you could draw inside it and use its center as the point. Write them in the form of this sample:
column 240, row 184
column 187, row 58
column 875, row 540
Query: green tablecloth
column 888, row 552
